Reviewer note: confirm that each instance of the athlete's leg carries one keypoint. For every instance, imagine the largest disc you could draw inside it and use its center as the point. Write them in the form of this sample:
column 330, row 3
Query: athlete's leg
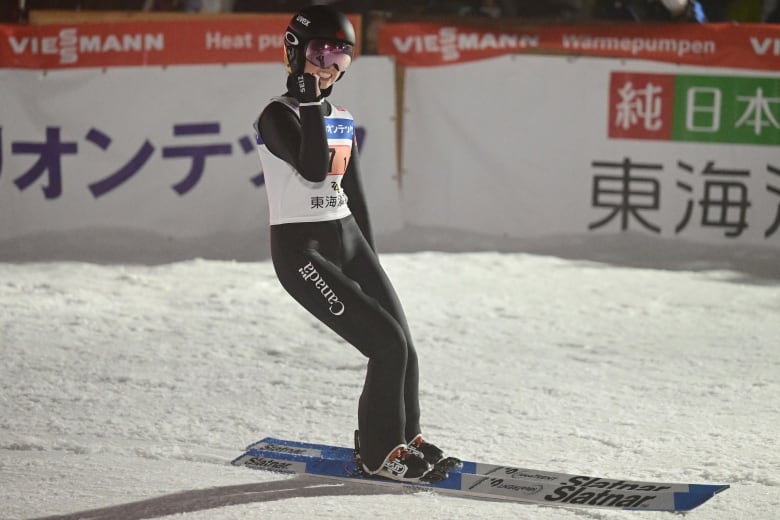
column 307, row 262
column 362, row 265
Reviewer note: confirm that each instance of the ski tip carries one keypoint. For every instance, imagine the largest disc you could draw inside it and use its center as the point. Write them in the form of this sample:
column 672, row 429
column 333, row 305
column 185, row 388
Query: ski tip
column 712, row 489
column 696, row 496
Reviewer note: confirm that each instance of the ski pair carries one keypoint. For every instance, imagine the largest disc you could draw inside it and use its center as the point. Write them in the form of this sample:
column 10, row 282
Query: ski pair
column 478, row 480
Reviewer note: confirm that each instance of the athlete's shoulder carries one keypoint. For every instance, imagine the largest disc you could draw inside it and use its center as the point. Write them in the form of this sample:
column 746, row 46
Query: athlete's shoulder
column 279, row 106
column 283, row 103
column 281, row 112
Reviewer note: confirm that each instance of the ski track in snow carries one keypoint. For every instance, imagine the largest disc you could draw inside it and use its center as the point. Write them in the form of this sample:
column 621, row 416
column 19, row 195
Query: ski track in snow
column 125, row 390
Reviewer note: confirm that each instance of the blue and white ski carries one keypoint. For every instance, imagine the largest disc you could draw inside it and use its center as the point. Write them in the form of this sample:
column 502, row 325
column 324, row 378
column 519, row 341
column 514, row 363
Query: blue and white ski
column 491, row 481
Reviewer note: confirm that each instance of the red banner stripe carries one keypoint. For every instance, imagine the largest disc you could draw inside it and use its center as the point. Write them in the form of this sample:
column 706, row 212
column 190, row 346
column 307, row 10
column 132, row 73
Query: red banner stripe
column 251, row 39
column 749, row 46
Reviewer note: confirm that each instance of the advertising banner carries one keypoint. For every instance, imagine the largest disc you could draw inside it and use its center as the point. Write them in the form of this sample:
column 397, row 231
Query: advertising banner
column 165, row 151
column 559, row 146
column 579, row 146
column 195, row 40
column 748, row 46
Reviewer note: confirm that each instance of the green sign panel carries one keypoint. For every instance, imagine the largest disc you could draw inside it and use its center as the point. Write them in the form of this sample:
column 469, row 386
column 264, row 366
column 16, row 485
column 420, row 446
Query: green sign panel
column 727, row 109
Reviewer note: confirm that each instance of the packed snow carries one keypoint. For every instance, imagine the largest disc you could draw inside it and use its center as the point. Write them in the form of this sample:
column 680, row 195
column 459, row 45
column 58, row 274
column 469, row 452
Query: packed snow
column 127, row 389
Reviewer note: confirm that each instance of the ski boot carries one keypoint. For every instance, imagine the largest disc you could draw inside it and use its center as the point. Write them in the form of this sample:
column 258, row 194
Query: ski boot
column 432, row 454
column 403, row 465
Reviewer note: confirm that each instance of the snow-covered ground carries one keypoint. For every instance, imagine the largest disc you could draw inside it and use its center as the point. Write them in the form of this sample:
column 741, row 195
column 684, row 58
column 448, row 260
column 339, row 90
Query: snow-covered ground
column 125, row 390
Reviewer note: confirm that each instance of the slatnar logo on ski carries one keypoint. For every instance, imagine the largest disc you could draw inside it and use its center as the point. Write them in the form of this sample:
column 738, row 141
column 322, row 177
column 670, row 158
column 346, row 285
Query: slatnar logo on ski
column 309, row 273
column 268, row 464
column 605, row 493
column 282, row 449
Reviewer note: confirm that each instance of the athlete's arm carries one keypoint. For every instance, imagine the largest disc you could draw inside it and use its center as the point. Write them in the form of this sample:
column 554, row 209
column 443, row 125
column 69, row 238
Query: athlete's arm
column 300, row 142
column 356, row 200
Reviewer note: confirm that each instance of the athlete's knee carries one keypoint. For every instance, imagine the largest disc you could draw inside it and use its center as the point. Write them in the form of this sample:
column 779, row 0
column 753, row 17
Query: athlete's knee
column 391, row 346
column 411, row 353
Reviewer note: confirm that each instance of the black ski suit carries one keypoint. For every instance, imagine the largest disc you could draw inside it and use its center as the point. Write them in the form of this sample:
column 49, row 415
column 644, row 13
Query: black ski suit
column 331, row 268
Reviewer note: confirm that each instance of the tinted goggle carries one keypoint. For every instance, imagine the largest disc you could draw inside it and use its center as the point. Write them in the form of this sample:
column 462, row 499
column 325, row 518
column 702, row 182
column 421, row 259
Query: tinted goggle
column 326, row 53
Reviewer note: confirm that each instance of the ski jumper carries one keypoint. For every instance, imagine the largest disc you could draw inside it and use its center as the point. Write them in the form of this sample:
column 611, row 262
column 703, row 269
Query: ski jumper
column 323, row 255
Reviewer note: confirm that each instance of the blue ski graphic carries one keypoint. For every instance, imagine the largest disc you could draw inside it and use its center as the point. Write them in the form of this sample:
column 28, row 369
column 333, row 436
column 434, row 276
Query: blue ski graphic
column 478, row 480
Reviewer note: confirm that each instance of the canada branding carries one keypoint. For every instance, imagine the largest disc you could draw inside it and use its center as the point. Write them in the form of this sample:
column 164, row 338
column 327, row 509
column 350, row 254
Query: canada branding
column 310, row 273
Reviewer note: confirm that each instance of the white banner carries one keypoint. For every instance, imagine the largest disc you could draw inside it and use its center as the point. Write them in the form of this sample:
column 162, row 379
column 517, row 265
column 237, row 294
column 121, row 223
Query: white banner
column 520, row 146
column 168, row 151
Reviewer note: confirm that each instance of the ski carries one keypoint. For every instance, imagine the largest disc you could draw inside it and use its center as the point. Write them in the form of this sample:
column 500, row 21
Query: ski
column 490, row 481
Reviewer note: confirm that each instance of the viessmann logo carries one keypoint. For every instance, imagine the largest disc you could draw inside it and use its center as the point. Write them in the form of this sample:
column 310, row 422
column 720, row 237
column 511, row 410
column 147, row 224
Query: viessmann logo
column 68, row 44
column 451, row 42
column 765, row 46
